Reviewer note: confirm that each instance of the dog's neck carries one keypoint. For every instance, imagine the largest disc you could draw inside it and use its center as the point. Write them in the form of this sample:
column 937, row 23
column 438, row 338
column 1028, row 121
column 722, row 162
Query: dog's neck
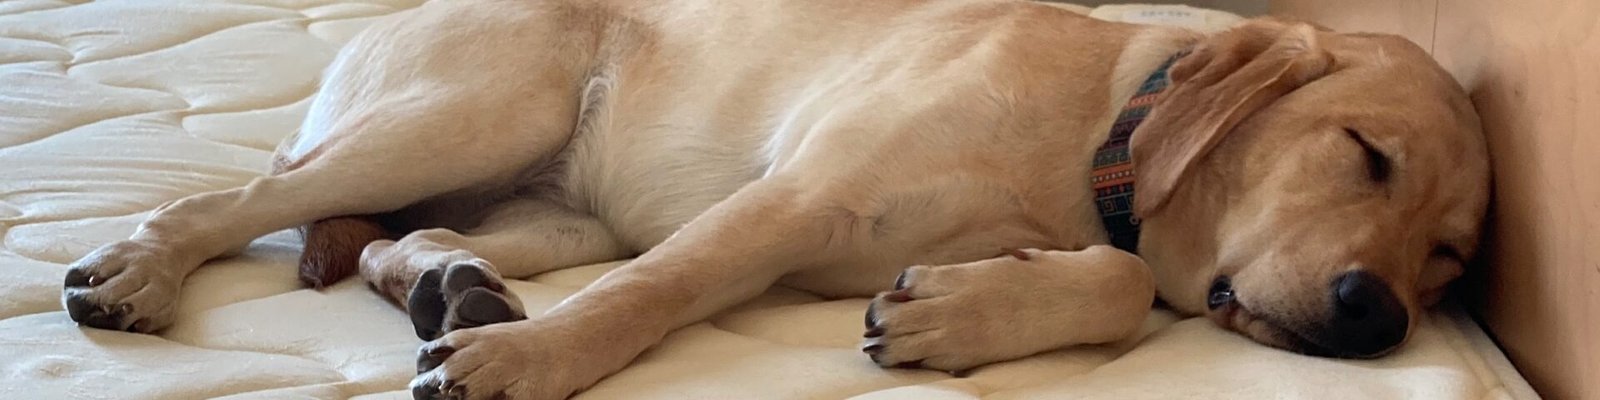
column 1112, row 176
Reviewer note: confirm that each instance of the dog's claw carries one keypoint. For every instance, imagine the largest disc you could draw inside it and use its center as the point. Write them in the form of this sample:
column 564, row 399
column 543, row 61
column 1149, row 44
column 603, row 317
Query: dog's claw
column 141, row 325
column 873, row 332
column 98, row 316
column 441, row 351
column 899, row 296
column 872, row 349
column 451, row 391
column 432, row 357
column 424, row 392
column 872, row 315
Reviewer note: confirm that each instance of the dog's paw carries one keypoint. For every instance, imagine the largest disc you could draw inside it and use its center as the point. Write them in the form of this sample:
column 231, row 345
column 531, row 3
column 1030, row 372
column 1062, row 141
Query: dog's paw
column 124, row 286
column 460, row 295
column 500, row 361
column 927, row 323
column 956, row 317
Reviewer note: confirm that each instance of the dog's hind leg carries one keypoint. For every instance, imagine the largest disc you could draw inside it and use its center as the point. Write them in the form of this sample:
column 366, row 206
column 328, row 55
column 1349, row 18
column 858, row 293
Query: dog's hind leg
column 448, row 280
column 391, row 156
column 406, row 114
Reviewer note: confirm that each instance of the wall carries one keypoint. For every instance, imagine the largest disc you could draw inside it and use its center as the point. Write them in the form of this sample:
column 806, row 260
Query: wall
column 1533, row 70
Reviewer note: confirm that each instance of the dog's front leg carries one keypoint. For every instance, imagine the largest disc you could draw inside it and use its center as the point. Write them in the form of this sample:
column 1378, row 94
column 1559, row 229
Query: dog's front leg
column 728, row 254
column 955, row 317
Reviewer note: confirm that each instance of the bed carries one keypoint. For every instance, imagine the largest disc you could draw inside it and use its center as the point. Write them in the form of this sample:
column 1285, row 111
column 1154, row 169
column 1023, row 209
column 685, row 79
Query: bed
column 108, row 109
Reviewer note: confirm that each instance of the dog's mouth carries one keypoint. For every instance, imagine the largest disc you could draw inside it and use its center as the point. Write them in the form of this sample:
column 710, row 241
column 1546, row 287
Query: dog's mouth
column 1227, row 312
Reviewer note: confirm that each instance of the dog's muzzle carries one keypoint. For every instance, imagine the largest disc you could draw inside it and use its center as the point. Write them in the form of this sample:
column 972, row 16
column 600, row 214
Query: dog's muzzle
column 1367, row 319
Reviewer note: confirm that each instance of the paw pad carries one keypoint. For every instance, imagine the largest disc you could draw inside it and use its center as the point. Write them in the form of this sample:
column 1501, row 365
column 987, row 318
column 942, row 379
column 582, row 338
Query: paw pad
column 462, row 295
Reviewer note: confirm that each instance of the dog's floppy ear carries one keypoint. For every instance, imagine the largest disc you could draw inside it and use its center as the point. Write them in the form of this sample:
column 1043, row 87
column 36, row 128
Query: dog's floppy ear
column 1225, row 79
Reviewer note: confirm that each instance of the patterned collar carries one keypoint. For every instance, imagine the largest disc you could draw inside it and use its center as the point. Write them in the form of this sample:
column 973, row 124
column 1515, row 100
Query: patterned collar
column 1112, row 175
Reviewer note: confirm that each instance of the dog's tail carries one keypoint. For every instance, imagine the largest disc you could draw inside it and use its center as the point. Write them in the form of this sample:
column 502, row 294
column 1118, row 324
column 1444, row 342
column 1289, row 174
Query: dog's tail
column 333, row 248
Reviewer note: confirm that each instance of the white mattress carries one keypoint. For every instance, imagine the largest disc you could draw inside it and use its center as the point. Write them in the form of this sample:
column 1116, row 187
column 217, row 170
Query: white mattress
column 109, row 108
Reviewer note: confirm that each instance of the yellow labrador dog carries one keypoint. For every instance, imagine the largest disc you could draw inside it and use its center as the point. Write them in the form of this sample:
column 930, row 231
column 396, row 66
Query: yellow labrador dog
column 1311, row 190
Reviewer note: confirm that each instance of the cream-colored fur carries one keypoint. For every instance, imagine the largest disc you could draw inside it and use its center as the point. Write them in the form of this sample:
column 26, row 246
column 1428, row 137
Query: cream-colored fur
column 823, row 145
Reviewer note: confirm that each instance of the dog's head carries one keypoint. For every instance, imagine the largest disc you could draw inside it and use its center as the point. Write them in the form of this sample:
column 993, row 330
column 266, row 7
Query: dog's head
column 1311, row 190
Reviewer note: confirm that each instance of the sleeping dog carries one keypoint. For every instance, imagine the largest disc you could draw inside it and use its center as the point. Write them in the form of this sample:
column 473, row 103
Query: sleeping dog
column 1006, row 177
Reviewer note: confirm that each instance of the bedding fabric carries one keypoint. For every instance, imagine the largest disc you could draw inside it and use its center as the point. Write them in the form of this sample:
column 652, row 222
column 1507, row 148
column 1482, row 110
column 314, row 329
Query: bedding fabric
column 108, row 109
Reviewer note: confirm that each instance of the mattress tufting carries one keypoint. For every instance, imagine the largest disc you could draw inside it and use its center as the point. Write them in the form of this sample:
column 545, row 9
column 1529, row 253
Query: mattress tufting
column 108, row 109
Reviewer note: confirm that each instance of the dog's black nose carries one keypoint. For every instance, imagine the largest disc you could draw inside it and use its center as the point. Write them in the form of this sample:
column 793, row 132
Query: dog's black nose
column 1368, row 318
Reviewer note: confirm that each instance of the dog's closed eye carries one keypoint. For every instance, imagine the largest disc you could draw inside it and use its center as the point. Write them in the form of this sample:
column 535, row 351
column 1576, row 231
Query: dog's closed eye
column 1377, row 162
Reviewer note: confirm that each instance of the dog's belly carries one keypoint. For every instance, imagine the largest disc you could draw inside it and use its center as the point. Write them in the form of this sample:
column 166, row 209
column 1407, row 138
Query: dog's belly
column 647, row 184
column 648, row 181
column 674, row 131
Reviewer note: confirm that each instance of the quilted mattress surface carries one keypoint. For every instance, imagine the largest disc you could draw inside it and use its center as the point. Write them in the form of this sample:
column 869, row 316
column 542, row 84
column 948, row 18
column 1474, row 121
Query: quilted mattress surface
column 108, row 109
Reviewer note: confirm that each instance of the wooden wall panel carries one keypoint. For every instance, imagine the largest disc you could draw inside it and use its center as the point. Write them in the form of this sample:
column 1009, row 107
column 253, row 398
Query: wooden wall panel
column 1533, row 70
column 1413, row 19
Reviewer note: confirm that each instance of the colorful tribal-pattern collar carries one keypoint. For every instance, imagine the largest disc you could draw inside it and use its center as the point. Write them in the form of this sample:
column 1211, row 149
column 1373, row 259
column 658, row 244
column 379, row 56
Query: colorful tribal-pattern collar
column 1112, row 176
